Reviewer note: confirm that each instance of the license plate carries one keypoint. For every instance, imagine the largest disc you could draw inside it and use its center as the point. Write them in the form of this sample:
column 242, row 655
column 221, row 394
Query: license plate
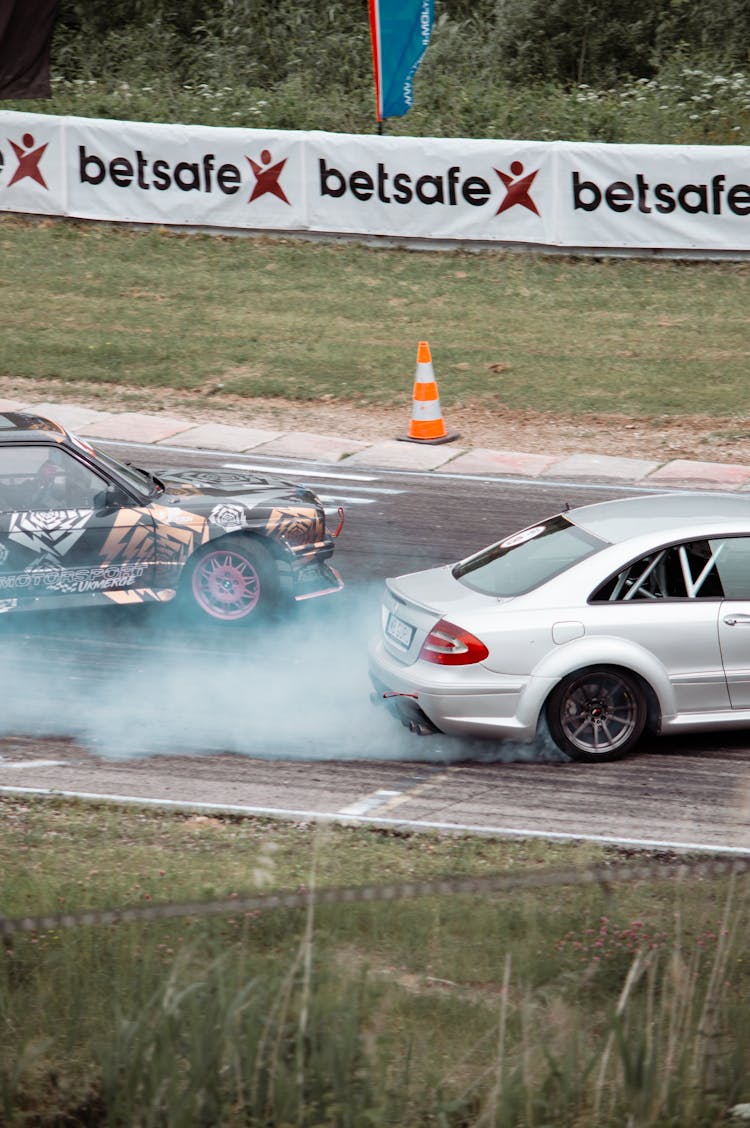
column 399, row 631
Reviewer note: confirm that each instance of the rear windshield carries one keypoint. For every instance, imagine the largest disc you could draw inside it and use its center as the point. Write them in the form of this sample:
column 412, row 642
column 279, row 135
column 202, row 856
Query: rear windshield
column 527, row 559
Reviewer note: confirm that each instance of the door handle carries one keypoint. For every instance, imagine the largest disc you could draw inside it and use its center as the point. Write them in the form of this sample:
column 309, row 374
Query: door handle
column 737, row 620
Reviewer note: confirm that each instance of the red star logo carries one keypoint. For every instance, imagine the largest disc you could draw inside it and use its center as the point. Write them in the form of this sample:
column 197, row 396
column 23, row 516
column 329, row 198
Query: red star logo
column 267, row 179
column 517, row 188
column 28, row 160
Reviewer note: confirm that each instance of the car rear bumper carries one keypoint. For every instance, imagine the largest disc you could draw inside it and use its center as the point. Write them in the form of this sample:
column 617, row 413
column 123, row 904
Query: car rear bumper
column 465, row 701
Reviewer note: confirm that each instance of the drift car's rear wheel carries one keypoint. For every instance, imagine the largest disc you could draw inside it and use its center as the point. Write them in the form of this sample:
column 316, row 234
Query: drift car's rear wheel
column 233, row 580
column 597, row 714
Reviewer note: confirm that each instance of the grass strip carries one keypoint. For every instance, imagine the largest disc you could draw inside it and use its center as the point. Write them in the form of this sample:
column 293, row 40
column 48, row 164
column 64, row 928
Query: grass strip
column 103, row 307
column 586, row 1005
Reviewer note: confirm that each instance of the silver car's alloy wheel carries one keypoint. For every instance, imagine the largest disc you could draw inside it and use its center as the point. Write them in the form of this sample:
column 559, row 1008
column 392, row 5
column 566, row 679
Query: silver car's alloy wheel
column 597, row 714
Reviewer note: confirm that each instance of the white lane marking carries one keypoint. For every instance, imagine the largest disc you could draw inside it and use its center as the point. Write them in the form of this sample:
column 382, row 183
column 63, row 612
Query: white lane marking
column 387, row 800
column 30, row 763
column 374, row 820
column 369, row 803
column 304, row 472
column 372, row 489
column 499, row 479
column 342, row 499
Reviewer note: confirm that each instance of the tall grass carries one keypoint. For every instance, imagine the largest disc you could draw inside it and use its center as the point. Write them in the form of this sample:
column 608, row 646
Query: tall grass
column 579, row 1006
column 117, row 1028
column 687, row 102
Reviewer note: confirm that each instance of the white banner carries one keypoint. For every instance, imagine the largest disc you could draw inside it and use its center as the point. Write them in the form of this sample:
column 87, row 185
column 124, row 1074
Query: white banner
column 671, row 196
column 432, row 189
column 556, row 194
column 186, row 175
column 33, row 172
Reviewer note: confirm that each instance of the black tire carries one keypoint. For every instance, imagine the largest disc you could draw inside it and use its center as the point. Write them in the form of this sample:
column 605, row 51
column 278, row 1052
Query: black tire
column 597, row 714
column 231, row 581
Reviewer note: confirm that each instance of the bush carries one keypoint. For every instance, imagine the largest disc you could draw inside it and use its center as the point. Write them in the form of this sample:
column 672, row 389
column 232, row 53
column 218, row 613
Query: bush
column 537, row 69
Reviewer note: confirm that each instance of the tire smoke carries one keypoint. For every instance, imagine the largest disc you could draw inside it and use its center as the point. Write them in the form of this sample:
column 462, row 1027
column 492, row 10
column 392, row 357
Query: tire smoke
column 137, row 682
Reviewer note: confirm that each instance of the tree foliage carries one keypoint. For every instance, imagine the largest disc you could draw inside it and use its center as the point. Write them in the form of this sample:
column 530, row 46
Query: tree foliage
column 600, row 41
column 262, row 42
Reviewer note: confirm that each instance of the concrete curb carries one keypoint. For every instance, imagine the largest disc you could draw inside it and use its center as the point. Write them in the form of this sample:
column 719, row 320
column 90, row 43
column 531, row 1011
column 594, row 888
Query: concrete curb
column 136, row 427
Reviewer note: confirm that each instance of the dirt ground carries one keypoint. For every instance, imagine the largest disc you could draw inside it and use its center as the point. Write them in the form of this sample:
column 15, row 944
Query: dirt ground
column 696, row 437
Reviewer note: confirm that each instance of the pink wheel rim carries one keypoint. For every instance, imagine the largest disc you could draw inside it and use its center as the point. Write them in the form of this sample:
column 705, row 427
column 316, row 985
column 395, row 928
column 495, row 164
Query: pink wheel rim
column 226, row 585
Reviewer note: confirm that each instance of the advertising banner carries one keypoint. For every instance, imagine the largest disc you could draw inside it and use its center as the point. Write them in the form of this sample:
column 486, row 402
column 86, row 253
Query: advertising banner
column 186, row 175
column 428, row 188
column 33, row 172
column 538, row 194
column 671, row 196
column 400, row 31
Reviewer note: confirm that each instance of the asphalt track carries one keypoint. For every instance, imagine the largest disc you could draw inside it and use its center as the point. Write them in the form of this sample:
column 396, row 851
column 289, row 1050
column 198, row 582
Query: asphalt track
column 135, row 707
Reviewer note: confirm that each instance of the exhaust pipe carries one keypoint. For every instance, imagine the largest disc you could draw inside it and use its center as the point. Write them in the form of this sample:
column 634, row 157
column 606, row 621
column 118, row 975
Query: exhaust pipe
column 405, row 706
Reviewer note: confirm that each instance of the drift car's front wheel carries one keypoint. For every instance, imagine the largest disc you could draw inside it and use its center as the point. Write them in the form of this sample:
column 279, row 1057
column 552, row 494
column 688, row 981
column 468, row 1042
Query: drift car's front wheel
column 233, row 580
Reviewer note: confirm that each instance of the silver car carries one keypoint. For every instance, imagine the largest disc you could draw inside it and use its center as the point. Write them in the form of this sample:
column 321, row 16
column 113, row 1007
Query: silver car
column 604, row 621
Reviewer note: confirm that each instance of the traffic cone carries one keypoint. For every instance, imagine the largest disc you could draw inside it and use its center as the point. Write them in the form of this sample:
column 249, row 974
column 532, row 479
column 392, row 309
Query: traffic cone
column 427, row 424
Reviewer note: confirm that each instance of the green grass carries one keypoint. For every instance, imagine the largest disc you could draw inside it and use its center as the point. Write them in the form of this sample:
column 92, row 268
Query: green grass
column 102, row 306
column 581, row 1005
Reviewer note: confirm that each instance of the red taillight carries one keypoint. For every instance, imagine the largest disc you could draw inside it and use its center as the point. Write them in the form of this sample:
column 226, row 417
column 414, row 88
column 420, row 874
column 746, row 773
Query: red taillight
column 449, row 645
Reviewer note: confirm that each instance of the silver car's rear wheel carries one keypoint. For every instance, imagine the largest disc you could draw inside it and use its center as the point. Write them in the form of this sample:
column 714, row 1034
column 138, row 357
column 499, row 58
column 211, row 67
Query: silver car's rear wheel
column 597, row 714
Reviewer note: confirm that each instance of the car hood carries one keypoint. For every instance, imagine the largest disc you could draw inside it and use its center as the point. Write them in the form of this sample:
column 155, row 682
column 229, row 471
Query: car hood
column 213, row 484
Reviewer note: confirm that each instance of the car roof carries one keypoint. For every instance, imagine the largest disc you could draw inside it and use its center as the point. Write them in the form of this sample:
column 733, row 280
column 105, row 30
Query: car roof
column 26, row 426
column 620, row 520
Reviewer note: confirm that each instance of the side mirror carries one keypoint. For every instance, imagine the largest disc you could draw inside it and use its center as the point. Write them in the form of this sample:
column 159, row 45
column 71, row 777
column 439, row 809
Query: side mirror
column 110, row 498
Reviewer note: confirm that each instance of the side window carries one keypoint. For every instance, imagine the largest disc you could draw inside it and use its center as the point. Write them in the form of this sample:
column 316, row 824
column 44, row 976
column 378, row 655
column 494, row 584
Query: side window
column 681, row 571
column 733, row 563
column 41, row 477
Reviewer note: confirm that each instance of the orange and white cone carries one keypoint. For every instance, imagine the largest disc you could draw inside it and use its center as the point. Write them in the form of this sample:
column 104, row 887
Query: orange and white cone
column 427, row 425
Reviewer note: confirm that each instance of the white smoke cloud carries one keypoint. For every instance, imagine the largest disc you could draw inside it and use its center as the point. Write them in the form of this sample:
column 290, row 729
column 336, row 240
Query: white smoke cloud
column 129, row 683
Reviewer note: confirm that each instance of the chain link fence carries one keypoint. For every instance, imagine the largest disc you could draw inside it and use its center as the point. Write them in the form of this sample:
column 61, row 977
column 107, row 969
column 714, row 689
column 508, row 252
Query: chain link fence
column 605, row 874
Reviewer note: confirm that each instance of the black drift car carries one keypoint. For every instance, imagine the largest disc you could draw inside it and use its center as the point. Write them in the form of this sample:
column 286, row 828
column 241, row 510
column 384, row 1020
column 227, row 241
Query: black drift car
column 79, row 527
